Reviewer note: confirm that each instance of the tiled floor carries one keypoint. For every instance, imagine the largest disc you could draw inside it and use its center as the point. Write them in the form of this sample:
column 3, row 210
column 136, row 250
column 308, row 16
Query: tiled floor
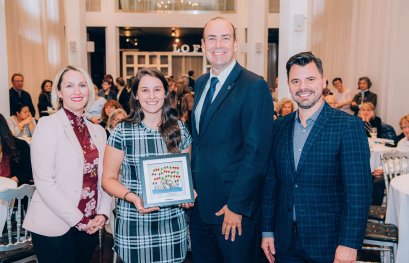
column 105, row 254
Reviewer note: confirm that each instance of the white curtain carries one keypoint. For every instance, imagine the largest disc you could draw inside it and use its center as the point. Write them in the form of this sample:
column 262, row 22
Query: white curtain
column 35, row 41
column 366, row 38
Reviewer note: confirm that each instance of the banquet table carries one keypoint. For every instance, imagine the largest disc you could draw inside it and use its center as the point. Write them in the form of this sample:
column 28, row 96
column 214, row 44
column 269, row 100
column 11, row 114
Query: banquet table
column 398, row 213
column 377, row 147
column 5, row 183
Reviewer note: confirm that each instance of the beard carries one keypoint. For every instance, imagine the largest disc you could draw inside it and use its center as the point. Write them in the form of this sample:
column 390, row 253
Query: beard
column 306, row 103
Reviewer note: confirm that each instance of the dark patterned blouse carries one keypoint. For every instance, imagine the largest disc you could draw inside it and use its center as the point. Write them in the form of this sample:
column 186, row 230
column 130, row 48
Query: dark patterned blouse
column 5, row 166
column 89, row 193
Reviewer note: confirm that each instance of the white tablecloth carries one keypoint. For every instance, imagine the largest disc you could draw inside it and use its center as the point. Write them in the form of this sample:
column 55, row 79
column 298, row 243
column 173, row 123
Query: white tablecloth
column 5, row 183
column 377, row 148
column 398, row 214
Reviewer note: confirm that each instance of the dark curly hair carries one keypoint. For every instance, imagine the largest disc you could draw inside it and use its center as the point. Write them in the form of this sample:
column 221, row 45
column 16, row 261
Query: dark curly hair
column 168, row 128
column 7, row 141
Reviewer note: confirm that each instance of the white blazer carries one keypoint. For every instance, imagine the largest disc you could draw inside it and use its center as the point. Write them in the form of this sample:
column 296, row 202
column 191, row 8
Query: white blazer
column 57, row 160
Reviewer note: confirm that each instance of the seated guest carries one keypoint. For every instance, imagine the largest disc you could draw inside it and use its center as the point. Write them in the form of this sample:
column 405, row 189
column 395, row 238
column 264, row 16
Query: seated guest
column 106, row 92
column 330, row 99
column 18, row 95
column 377, row 175
column 68, row 206
column 107, row 109
column 367, row 115
column 14, row 156
column 44, row 100
column 113, row 119
column 285, row 107
column 21, row 123
column 93, row 112
column 403, row 144
column 342, row 95
column 365, row 95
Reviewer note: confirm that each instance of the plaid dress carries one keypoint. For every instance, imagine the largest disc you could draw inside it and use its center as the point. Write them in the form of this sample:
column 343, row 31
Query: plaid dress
column 158, row 236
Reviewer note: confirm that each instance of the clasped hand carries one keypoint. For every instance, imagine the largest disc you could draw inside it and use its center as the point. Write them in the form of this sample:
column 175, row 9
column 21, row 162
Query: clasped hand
column 231, row 223
column 93, row 225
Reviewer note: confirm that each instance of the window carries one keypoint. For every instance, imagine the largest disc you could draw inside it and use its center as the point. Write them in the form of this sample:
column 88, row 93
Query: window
column 175, row 5
column 93, row 5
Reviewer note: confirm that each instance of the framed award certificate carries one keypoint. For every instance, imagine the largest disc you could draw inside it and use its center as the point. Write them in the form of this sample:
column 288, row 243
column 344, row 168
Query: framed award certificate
column 166, row 180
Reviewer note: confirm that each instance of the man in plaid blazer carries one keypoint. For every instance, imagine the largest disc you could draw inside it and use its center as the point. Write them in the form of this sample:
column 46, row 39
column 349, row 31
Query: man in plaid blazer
column 318, row 187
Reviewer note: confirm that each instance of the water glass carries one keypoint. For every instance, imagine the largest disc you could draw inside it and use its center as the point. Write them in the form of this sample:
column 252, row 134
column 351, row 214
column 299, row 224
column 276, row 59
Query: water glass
column 25, row 132
column 374, row 132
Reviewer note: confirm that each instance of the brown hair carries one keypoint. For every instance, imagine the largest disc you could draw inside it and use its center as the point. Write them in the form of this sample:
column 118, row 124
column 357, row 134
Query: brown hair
column 104, row 116
column 168, row 128
column 16, row 75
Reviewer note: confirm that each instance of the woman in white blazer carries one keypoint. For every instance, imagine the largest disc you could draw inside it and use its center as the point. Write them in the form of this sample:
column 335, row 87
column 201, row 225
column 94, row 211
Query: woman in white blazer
column 69, row 206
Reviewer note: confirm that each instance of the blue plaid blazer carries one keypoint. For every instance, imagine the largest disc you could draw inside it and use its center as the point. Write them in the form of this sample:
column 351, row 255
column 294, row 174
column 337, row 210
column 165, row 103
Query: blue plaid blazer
column 331, row 188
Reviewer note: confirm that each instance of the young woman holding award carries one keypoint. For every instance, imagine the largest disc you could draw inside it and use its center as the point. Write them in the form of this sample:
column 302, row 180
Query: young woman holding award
column 152, row 129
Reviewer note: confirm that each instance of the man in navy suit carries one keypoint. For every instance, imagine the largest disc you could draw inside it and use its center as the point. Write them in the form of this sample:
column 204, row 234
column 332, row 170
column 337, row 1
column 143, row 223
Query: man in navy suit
column 318, row 186
column 231, row 129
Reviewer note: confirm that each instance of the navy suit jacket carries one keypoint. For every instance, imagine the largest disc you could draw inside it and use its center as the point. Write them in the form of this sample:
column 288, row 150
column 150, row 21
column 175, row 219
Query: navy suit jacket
column 230, row 155
column 330, row 189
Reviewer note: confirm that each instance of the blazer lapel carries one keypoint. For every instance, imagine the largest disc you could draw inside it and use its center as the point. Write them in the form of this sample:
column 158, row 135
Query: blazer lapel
column 227, row 87
column 289, row 139
column 201, row 86
column 314, row 134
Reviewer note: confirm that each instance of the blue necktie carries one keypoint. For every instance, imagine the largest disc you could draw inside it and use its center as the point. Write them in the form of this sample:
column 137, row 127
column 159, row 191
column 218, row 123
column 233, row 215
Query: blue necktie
column 208, row 99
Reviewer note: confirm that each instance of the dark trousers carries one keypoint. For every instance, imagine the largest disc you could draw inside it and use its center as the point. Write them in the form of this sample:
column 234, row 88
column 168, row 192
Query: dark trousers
column 295, row 252
column 73, row 247
column 209, row 245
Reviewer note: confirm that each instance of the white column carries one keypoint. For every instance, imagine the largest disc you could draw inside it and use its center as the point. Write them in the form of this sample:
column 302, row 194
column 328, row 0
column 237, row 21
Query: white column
column 293, row 36
column 4, row 75
column 75, row 33
column 257, row 31
column 112, row 50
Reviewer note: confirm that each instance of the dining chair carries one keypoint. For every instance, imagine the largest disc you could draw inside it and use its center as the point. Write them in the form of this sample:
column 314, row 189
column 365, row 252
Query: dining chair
column 383, row 238
column 394, row 163
column 15, row 245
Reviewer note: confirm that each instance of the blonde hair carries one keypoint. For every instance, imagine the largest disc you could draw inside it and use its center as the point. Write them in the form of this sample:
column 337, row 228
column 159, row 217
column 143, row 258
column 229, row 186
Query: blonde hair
column 369, row 105
column 404, row 119
column 284, row 101
column 56, row 101
column 113, row 115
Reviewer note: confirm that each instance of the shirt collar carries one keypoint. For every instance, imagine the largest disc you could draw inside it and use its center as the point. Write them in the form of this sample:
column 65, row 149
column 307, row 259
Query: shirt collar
column 313, row 118
column 74, row 119
column 224, row 74
column 17, row 90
